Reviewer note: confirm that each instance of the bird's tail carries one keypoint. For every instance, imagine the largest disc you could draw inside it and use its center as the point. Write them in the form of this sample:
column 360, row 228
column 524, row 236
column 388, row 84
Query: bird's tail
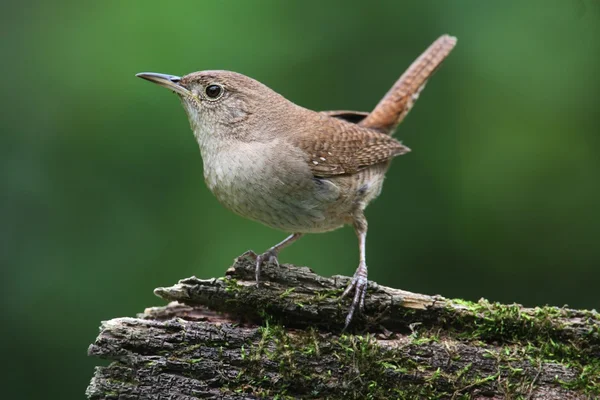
column 398, row 101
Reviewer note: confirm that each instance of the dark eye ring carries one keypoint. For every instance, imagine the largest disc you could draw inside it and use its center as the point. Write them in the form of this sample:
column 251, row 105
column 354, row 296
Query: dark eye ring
column 213, row 91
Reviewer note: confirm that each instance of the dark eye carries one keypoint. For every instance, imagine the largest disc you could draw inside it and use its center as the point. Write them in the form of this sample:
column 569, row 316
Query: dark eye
column 213, row 91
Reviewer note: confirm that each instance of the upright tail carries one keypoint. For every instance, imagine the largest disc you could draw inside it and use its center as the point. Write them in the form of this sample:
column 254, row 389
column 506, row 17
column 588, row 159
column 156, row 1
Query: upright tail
column 398, row 101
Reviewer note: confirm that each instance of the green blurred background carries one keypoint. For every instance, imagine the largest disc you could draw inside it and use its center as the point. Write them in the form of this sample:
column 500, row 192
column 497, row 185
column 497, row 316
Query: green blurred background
column 102, row 197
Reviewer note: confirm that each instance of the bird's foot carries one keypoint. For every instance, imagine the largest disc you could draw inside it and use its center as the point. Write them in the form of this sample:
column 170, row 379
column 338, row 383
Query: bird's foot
column 266, row 257
column 359, row 283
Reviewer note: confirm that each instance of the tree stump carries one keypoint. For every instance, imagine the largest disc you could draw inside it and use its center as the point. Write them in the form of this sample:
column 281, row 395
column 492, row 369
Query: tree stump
column 226, row 338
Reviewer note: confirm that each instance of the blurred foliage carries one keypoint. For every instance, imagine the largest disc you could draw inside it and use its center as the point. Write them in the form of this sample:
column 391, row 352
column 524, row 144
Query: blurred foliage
column 102, row 196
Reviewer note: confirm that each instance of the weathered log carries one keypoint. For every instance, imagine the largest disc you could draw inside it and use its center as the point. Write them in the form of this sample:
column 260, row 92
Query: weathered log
column 226, row 338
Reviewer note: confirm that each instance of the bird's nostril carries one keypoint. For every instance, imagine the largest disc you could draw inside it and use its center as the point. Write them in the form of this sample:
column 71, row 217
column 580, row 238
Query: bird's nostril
column 174, row 79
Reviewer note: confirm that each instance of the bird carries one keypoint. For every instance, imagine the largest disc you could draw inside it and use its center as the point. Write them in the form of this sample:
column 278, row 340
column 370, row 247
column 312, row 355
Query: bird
column 291, row 168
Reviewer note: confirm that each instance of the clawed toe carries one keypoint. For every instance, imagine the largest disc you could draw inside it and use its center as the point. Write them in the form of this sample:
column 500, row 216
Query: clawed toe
column 359, row 284
column 266, row 257
column 271, row 254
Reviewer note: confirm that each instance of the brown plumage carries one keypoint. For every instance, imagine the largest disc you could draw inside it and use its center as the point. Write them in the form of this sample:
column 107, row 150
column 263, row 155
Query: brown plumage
column 337, row 147
column 291, row 168
column 399, row 100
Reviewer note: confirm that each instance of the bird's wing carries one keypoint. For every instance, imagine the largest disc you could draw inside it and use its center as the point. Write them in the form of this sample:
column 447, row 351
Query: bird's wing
column 338, row 147
column 351, row 116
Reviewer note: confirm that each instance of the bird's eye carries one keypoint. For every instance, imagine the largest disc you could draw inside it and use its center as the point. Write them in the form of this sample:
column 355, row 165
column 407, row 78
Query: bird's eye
column 214, row 91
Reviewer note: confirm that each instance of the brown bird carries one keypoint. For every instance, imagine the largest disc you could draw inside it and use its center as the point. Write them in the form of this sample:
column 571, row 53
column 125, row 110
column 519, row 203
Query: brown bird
column 293, row 169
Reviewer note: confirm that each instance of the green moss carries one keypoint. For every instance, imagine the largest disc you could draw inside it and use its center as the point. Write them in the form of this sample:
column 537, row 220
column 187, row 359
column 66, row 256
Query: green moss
column 367, row 371
column 494, row 321
column 588, row 380
column 231, row 285
column 544, row 339
column 286, row 293
column 532, row 336
column 189, row 349
column 327, row 294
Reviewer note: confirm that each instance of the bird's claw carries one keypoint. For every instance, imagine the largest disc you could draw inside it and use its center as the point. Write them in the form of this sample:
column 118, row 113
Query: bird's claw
column 359, row 283
column 269, row 256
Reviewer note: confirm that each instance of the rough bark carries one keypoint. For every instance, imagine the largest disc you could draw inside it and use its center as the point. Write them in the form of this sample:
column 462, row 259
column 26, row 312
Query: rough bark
column 226, row 338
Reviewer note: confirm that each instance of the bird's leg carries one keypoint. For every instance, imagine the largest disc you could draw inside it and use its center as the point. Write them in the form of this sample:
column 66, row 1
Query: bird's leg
column 359, row 281
column 271, row 254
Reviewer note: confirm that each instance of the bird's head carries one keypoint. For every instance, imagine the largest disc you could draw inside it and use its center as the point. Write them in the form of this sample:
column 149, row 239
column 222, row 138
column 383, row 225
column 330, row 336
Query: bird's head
column 219, row 102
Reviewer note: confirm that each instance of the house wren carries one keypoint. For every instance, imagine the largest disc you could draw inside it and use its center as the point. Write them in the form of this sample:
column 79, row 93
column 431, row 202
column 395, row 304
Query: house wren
column 293, row 169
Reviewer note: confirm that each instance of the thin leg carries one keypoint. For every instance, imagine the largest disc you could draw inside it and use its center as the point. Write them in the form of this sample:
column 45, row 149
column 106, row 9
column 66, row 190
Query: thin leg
column 359, row 281
column 271, row 254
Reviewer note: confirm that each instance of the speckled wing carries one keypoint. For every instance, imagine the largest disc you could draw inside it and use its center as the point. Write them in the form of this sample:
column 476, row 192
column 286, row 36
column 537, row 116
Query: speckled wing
column 340, row 148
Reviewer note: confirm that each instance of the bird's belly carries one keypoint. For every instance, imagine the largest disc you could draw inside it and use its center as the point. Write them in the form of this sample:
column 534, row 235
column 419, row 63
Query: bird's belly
column 286, row 196
column 286, row 206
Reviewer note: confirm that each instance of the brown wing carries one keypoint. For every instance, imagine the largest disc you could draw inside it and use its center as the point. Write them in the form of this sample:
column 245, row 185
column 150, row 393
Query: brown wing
column 339, row 147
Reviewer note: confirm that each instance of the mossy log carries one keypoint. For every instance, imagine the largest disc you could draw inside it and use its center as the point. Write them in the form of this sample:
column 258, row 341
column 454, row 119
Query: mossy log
column 226, row 338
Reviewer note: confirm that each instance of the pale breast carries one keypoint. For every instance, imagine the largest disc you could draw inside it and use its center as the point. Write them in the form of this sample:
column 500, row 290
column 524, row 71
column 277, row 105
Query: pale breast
column 270, row 183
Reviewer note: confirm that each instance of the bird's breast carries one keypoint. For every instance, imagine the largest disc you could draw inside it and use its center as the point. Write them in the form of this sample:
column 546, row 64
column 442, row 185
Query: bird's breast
column 270, row 183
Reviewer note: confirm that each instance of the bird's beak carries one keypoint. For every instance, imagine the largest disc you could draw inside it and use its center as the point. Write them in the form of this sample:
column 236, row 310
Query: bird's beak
column 168, row 81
